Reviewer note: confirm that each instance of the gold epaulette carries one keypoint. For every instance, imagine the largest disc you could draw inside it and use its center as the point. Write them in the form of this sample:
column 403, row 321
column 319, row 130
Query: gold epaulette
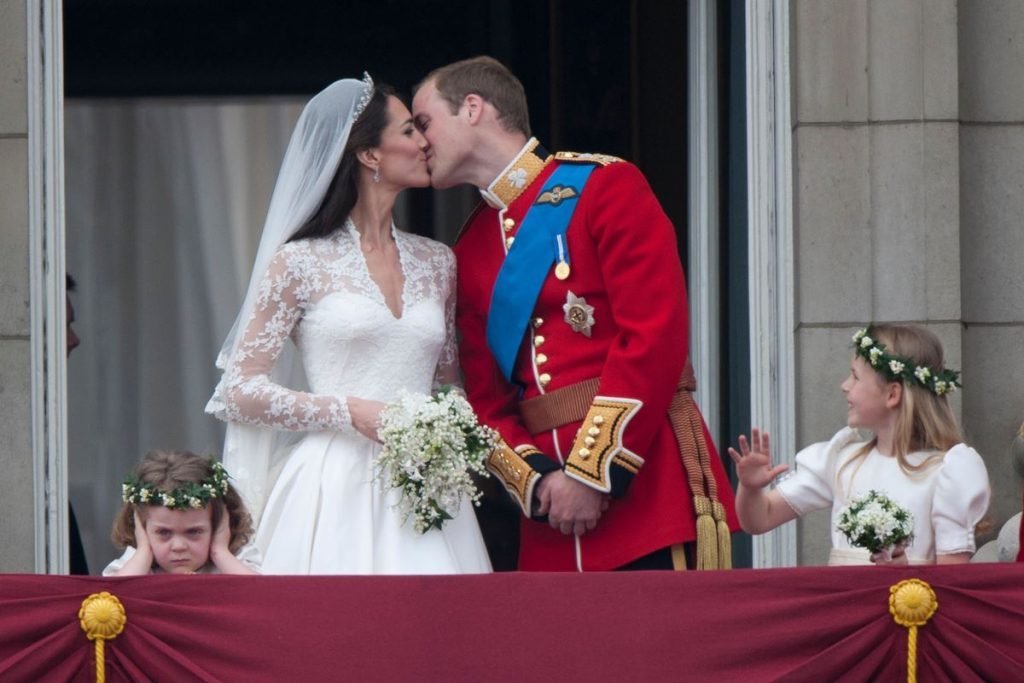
column 599, row 443
column 587, row 157
column 510, row 466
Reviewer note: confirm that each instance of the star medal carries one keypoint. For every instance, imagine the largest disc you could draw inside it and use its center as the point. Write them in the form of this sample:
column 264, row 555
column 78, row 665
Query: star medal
column 579, row 314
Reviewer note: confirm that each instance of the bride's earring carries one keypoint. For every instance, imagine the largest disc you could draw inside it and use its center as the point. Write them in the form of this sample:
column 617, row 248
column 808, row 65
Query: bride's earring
column 376, row 175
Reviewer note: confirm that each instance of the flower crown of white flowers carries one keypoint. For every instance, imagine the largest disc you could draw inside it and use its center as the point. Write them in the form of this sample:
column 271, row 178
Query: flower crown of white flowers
column 193, row 495
column 900, row 369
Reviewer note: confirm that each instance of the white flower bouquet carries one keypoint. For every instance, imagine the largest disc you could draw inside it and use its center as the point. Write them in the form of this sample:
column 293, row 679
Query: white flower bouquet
column 873, row 521
column 432, row 444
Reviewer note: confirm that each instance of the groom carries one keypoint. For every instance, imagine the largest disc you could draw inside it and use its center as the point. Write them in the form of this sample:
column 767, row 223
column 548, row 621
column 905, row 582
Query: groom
column 572, row 309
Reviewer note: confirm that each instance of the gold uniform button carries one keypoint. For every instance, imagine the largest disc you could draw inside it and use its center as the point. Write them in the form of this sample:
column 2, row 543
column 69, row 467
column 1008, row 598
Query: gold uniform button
column 537, row 322
column 509, row 241
column 544, row 379
column 599, row 419
column 538, row 340
column 541, row 359
column 589, row 442
column 593, row 431
column 508, row 224
column 584, row 453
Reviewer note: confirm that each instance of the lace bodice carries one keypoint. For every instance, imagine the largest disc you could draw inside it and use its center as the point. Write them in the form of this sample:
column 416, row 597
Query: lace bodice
column 319, row 292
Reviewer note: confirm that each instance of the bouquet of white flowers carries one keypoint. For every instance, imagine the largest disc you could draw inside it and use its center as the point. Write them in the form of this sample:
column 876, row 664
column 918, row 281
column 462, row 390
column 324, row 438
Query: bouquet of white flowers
column 875, row 522
column 431, row 445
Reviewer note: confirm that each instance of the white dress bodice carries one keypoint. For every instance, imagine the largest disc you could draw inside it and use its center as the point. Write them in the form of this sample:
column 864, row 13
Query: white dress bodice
column 327, row 510
column 320, row 293
column 947, row 498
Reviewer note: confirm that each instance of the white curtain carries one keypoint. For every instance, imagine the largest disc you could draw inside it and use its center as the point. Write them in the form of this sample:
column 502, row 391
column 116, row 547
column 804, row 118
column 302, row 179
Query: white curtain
column 165, row 203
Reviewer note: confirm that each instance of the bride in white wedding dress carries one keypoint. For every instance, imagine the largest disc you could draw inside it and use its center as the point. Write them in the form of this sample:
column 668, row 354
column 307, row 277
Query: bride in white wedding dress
column 370, row 310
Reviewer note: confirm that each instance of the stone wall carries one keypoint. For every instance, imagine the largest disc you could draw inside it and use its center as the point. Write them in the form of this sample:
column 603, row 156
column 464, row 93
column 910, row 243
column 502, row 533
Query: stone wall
column 909, row 192
column 16, row 483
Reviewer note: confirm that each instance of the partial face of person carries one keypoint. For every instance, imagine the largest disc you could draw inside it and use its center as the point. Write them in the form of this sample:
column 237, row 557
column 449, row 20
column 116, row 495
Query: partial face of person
column 443, row 131
column 180, row 539
column 403, row 149
column 866, row 395
column 72, row 339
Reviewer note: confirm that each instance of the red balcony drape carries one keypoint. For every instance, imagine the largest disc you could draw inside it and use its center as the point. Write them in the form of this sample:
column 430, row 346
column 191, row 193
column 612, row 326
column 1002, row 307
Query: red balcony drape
column 807, row 624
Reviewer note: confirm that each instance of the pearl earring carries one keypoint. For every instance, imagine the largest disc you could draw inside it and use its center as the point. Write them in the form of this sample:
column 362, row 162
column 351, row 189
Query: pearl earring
column 376, row 175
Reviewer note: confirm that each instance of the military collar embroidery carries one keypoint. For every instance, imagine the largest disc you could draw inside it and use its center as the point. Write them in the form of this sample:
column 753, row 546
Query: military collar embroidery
column 517, row 176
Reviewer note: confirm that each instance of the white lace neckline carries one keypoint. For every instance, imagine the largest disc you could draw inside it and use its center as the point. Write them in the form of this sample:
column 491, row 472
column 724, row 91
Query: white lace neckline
column 374, row 287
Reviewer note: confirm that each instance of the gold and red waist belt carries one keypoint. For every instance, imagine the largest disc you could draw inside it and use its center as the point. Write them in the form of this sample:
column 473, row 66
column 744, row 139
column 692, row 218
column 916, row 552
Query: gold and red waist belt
column 571, row 403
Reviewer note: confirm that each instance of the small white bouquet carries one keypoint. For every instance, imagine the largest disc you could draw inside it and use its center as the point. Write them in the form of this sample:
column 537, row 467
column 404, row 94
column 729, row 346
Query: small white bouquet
column 875, row 522
column 432, row 444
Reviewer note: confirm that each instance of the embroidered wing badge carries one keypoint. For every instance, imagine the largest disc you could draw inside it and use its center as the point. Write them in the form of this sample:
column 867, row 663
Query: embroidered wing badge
column 555, row 195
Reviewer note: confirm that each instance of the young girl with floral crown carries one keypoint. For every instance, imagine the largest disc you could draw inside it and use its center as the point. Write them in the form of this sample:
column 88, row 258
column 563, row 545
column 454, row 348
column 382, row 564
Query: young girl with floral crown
column 181, row 516
column 898, row 389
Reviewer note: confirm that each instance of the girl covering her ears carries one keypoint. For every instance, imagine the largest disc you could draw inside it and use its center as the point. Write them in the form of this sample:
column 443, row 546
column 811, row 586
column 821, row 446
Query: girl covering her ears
column 898, row 389
column 181, row 516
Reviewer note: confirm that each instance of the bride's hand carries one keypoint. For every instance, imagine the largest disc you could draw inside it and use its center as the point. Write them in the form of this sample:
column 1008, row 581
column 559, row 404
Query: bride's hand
column 365, row 416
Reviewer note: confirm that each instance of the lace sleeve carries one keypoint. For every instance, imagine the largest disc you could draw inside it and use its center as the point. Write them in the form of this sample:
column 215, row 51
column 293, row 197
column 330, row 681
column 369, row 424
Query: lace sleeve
column 447, row 373
column 248, row 393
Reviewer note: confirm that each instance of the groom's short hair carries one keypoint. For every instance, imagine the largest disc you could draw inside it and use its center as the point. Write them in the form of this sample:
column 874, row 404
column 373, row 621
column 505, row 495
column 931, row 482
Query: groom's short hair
column 491, row 80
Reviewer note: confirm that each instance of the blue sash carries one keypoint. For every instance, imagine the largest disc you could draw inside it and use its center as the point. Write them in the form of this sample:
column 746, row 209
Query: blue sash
column 539, row 243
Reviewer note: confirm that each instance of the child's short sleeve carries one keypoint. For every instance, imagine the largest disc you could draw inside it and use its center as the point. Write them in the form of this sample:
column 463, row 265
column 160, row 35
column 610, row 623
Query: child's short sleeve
column 811, row 486
column 250, row 556
column 118, row 564
column 961, row 500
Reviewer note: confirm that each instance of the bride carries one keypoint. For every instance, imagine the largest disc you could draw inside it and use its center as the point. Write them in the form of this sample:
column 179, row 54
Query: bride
column 370, row 311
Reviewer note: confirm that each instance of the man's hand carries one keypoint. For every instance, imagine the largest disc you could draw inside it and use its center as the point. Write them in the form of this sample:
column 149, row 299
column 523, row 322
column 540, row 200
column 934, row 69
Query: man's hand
column 571, row 507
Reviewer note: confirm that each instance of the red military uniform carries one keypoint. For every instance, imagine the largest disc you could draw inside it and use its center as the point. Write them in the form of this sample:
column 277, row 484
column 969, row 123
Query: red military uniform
column 619, row 316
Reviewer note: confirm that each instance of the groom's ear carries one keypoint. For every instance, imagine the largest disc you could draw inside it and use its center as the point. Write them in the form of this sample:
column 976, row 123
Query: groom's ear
column 473, row 104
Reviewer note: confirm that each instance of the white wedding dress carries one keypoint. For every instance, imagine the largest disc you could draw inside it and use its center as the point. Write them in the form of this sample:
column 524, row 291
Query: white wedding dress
column 326, row 513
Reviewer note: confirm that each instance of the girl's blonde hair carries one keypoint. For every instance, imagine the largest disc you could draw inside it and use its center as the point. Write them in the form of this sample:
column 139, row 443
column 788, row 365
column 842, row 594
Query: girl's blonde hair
column 925, row 422
column 168, row 470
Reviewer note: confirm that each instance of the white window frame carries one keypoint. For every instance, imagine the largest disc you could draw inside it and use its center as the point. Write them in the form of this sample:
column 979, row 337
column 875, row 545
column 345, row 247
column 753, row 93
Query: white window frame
column 770, row 249
column 45, row 92
column 770, row 233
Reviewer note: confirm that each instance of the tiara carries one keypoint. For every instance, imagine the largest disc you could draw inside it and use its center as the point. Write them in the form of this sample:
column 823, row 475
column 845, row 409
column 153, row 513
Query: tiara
column 899, row 369
column 367, row 95
column 193, row 495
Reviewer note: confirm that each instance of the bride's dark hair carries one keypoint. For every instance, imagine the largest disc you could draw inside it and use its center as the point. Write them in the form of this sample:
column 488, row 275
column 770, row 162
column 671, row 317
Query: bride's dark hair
column 343, row 191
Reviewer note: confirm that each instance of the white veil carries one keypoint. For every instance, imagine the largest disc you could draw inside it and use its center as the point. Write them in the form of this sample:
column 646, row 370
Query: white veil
column 310, row 163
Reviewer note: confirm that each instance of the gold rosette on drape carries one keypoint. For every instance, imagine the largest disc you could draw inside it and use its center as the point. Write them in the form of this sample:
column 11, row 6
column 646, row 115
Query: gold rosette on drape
column 912, row 603
column 102, row 617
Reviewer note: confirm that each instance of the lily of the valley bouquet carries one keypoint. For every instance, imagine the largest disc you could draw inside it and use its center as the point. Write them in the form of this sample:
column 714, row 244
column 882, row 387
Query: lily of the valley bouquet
column 873, row 521
column 432, row 444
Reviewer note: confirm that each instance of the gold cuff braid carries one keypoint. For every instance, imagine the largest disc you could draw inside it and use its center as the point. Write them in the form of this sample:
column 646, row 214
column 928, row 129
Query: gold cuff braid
column 599, row 443
column 509, row 465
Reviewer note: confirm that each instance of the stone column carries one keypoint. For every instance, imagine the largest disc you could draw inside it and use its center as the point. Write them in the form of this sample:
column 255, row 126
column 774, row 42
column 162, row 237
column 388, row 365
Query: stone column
column 992, row 235
column 16, row 466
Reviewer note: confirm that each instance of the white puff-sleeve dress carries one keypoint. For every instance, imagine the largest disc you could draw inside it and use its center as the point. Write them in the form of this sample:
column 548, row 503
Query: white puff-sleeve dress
column 947, row 498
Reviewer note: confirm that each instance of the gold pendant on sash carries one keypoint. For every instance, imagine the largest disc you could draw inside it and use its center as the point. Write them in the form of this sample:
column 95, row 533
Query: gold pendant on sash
column 562, row 270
